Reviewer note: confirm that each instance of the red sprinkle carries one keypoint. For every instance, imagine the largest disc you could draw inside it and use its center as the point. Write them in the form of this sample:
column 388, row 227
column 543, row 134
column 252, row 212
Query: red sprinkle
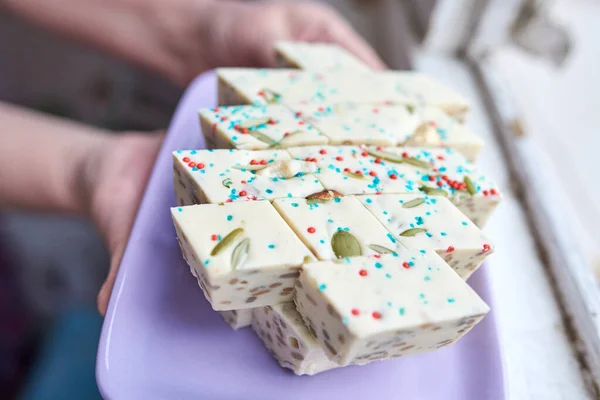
column 186, row 159
column 236, row 127
column 243, row 193
column 404, row 154
column 263, row 162
column 253, row 162
column 359, row 172
column 298, row 113
column 200, row 166
column 223, row 118
column 406, row 265
column 440, row 157
column 339, row 158
column 431, row 178
column 393, row 176
column 347, row 169
column 321, row 109
column 494, row 191
column 214, row 237
column 244, row 131
column 440, row 183
column 192, row 164
column 376, row 255
column 300, row 122
column 486, row 247
column 376, row 315
column 272, row 122
column 261, row 93
column 311, row 230
column 322, row 151
column 445, row 177
column 373, row 173
column 362, row 272
column 355, row 311
column 364, row 154
column 486, row 193
column 243, row 182
column 378, row 161
column 450, row 249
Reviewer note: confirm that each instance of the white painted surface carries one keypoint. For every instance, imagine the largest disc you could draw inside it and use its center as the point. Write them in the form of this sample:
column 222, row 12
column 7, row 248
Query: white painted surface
column 539, row 361
column 560, row 111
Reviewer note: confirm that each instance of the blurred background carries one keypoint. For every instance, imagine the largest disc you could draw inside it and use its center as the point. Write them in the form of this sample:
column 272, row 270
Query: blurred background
column 52, row 266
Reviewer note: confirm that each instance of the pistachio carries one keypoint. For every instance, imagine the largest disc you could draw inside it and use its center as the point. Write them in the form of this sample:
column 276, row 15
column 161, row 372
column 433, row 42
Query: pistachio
column 413, row 231
column 433, row 191
column 240, row 253
column 414, row 203
column 380, row 249
column 292, row 139
column 425, row 135
column 226, row 241
column 323, row 196
column 254, row 122
column 344, row 244
column 227, row 183
column 286, row 169
column 384, row 155
column 262, row 137
column 416, row 162
column 354, row 175
column 410, row 108
column 271, row 96
column 257, row 167
column 470, row 186
column 307, row 259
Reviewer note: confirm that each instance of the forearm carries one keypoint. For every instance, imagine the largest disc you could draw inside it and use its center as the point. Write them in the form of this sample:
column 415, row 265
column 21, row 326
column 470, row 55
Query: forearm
column 149, row 33
column 43, row 161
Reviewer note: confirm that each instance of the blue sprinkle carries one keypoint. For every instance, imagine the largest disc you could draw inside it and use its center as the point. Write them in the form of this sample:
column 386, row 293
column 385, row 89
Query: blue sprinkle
column 412, row 264
column 193, row 152
column 428, row 234
column 464, row 223
column 269, row 191
column 369, row 200
column 330, row 221
column 422, row 251
column 378, row 265
column 427, row 278
column 401, row 311
column 271, row 246
column 419, row 220
column 345, row 320
column 388, row 276
column 337, row 199
column 450, row 300
column 179, row 151
column 443, row 233
column 179, row 209
column 389, row 303
column 322, row 287
column 294, row 204
column 206, row 262
column 229, row 217
column 322, row 241
column 389, row 235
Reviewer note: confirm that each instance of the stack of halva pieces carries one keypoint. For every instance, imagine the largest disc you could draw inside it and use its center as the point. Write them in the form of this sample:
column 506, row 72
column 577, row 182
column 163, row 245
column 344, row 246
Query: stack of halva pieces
column 337, row 210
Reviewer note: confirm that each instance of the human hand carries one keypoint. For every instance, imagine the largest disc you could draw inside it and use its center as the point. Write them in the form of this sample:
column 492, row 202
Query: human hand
column 237, row 33
column 114, row 179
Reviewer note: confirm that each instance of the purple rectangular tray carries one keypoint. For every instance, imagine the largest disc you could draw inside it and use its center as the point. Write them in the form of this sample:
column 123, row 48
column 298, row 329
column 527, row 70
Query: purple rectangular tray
column 161, row 339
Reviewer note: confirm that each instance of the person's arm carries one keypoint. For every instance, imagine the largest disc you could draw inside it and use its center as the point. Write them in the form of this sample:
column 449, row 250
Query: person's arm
column 51, row 164
column 43, row 160
column 182, row 38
